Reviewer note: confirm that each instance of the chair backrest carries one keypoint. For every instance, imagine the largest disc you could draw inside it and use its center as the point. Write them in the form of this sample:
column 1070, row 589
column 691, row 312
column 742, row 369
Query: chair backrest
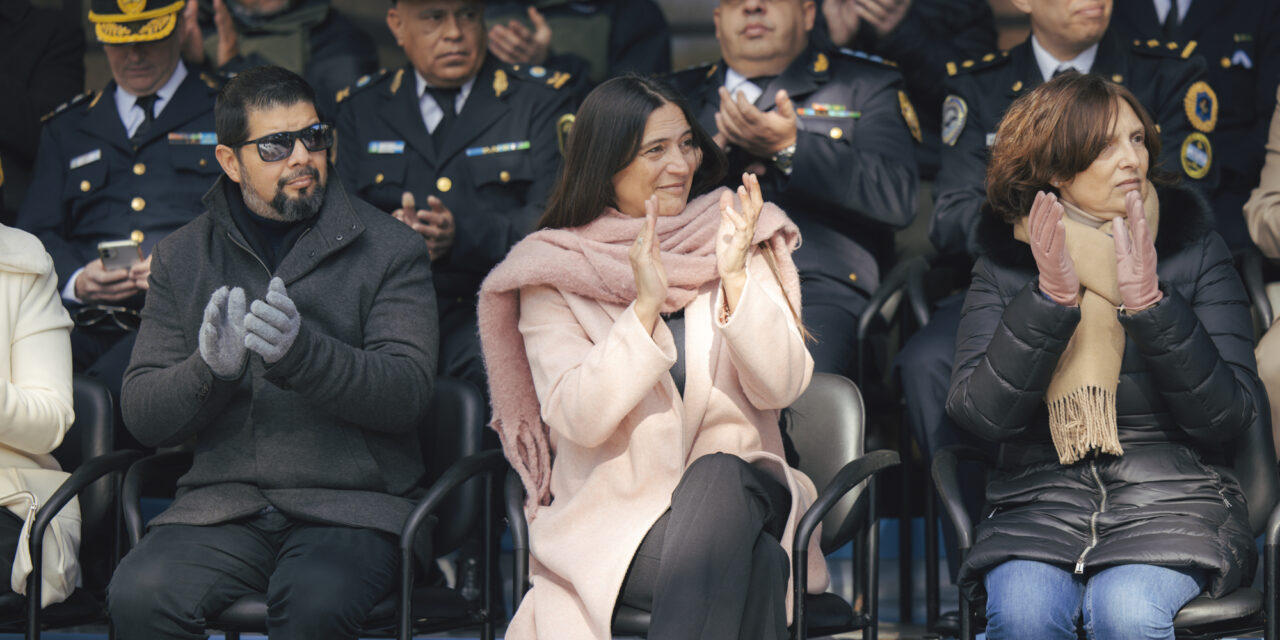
column 826, row 427
column 1254, row 466
column 92, row 434
column 453, row 429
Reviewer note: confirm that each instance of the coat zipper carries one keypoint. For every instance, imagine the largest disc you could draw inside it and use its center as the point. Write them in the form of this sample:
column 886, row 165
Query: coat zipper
column 1093, row 519
column 255, row 256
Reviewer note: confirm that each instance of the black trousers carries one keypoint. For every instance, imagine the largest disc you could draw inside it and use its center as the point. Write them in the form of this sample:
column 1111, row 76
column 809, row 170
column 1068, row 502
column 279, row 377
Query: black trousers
column 320, row 580
column 711, row 567
column 833, row 322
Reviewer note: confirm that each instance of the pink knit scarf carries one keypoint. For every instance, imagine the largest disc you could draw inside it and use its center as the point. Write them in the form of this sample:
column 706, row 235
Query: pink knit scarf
column 591, row 261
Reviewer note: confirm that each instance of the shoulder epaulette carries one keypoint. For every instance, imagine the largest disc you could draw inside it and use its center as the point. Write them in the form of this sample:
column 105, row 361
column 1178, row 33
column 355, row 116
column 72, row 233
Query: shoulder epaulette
column 1164, row 49
column 541, row 75
column 966, row 66
column 215, row 80
column 869, row 57
column 72, row 102
column 362, row 83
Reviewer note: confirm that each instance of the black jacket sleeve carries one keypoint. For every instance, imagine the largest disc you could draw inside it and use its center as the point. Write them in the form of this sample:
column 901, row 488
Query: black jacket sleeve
column 1006, row 351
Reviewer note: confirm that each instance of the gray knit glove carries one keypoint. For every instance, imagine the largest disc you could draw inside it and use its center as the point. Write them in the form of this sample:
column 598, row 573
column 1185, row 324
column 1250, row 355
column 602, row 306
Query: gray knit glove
column 272, row 324
column 222, row 333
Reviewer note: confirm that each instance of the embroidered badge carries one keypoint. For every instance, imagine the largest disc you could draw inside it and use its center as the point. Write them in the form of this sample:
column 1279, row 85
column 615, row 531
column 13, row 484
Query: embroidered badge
column 86, row 158
column 497, row 148
column 193, row 137
column 537, row 71
column 499, row 83
column 1201, row 104
column 909, row 114
column 820, row 63
column 954, row 113
column 386, row 147
column 563, row 126
column 1242, row 59
column 1197, row 155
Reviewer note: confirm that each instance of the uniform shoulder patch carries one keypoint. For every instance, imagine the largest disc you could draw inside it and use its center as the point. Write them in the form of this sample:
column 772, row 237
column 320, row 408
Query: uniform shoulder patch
column 869, row 57
column 1196, row 155
column 558, row 79
column 991, row 59
column 215, row 80
column 1201, row 105
column 363, row 83
column 71, row 103
column 955, row 111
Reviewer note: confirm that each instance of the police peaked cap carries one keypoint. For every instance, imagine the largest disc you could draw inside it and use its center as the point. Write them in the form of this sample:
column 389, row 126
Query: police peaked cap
column 130, row 21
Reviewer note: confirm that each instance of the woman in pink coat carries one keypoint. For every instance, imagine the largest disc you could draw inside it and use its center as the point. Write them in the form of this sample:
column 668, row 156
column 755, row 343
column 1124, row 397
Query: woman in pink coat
column 639, row 348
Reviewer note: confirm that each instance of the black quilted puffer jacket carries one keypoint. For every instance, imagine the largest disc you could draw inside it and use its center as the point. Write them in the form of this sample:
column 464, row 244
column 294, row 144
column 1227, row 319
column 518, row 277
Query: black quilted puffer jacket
column 1188, row 386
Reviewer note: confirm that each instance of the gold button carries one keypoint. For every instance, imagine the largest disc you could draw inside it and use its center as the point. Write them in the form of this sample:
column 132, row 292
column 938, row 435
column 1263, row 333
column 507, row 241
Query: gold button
column 204, row 162
column 139, row 169
column 837, row 133
column 136, row 235
column 379, row 178
column 85, row 186
column 853, row 277
column 138, row 204
column 1226, row 62
column 989, row 57
column 1117, row 78
column 1017, row 86
column 505, row 176
column 443, row 185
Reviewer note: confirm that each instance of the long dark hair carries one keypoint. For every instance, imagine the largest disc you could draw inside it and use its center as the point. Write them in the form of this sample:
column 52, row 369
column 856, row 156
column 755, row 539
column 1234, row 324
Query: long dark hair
column 606, row 137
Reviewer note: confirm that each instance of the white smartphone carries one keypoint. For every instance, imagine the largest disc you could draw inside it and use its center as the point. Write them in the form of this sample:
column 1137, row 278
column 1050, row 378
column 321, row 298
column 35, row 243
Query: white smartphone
column 119, row 254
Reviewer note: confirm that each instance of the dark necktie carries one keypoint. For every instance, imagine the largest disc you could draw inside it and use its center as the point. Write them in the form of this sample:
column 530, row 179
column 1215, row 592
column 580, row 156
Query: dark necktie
column 762, row 81
column 446, row 98
column 148, row 104
column 1063, row 69
column 1170, row 25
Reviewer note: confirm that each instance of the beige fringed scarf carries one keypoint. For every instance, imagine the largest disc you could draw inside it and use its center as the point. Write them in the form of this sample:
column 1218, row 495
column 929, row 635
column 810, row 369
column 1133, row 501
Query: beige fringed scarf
column 1082, row 393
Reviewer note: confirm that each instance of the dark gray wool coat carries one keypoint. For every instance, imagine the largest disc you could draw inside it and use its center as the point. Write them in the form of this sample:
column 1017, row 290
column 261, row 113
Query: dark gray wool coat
column 330, row 432
column 1188, row 385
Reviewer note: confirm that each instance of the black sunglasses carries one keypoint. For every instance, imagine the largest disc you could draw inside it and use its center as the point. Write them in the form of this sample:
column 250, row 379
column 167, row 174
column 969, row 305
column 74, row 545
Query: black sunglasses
column 277, row 146
column 124, row 318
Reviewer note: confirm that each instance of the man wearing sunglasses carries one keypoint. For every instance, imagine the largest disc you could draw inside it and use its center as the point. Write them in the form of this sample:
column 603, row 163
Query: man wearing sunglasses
column 127, row 162
column 290, row 332
column 459, row 146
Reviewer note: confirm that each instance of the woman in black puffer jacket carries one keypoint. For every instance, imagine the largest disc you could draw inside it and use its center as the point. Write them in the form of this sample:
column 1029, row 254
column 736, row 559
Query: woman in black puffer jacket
column 1113, row 368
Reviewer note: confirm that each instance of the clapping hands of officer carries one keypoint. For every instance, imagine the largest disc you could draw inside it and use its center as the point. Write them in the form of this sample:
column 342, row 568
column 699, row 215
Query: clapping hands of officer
column 514, row 43
column 193, row 43
column 435, row 223
column 760, row 133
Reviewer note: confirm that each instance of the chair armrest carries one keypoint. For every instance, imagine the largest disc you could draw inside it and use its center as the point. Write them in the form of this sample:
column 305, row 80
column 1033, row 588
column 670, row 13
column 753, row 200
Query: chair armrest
column 131, row 492
column 88, row 472
column 845, row 480
column 490, row 461
column 519, row 528
column 1270, row 568
column 916, row 296
column 1251, row 271
column 946, row 478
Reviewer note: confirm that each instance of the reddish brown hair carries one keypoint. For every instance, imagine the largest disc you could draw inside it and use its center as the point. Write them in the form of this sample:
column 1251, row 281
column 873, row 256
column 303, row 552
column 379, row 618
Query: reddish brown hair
column 1055, row 132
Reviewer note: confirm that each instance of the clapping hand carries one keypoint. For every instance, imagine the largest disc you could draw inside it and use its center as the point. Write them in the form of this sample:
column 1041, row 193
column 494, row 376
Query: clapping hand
column 646, row 266
column 435, row 223
column 733, row 242
column 760, row 133
column 514, row 43
column 1135, row 257
column 272, row 323
column 222, row 333
column 1048, row 240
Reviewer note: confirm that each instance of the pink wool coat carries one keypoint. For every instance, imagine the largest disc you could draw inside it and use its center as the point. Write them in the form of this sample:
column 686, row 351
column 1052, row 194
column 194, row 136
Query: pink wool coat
column 622, row 434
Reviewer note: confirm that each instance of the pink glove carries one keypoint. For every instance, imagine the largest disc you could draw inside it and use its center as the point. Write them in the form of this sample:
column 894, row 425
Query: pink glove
column 1135, row 257
column 1048, row 240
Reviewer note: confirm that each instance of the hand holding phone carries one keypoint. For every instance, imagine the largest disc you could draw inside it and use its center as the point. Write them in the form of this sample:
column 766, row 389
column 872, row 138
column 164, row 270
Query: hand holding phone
column 119, row 254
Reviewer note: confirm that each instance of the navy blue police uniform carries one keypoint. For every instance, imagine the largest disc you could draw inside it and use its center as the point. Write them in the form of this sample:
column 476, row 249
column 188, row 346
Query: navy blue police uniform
column 494, row 171
column 1240, row 43
column 852, row 182
column 93, row 184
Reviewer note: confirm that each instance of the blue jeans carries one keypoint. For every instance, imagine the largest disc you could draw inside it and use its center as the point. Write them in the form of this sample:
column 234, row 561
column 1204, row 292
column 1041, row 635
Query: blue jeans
column 1027, row 599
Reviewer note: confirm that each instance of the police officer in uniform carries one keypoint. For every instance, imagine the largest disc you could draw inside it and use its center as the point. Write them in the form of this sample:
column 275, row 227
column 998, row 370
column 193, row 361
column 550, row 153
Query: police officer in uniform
column 128, row 162
column 831, row 136
column 591, row 41
column 459, row 146
column 1240, row 42
column 1164, row 77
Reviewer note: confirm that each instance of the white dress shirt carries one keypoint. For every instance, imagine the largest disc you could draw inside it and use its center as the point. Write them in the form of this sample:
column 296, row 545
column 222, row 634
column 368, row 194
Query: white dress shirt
column 1049, row 64
column 431, row 112
column 127, row 104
